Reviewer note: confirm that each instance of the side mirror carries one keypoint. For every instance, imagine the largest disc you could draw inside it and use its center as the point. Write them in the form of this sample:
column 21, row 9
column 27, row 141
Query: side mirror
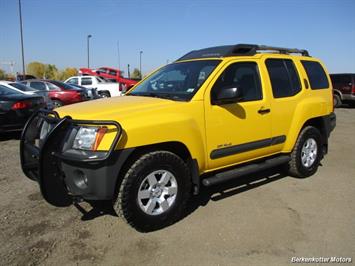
column 227, row 95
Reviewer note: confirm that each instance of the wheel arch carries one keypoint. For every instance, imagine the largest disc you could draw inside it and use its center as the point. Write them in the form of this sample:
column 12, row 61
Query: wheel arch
column 175, row 147
column 337, row 92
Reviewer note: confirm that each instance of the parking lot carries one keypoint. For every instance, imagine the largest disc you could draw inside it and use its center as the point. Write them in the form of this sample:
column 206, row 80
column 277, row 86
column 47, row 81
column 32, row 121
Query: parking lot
column 264, row 219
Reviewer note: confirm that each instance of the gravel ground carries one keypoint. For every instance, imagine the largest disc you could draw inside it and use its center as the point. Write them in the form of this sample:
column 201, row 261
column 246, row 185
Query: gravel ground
column 264, row 219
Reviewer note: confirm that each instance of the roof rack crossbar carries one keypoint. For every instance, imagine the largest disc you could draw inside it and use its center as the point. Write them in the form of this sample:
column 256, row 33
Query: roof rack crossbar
column 251, row 49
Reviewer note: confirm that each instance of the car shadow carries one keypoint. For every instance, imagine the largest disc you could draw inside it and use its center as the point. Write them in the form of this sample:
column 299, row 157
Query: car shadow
column 346, row 106
column 16, row 135
column 214, row 193
column 233, row 187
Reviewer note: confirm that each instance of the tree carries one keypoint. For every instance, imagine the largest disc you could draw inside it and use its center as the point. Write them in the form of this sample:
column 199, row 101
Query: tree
column 136, row 74
column 50, row 71
column 2, row 74
column 67, row 73
column 36, row 69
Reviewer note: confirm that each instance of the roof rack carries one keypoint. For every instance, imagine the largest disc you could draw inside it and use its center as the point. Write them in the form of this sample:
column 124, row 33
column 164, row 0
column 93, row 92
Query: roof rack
column 240, row 50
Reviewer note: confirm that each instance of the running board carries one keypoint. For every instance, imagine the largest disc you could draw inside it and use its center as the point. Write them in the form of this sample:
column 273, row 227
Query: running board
column 245, row 170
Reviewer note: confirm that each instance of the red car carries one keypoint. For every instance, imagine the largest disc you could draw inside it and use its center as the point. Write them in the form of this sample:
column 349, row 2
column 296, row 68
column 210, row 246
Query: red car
column 109, row 73
column 60, row 93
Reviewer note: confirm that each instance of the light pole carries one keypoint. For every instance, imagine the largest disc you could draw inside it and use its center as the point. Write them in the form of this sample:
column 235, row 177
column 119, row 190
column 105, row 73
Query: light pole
column 23, row 54
column 140, row 63
column 88, row 42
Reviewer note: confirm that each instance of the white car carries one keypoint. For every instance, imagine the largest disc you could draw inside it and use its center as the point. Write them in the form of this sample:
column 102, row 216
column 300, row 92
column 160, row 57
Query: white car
column 18, row 87
column 103, row 88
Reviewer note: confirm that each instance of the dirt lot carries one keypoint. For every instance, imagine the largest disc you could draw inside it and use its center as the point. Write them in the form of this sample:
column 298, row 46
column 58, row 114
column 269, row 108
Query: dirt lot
column 264, row 219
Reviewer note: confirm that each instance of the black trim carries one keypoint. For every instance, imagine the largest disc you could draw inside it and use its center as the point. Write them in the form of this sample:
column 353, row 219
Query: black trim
column 246, row 169
column 219, row 153
column 60, row 170
column 329, row 123
column 195, row 175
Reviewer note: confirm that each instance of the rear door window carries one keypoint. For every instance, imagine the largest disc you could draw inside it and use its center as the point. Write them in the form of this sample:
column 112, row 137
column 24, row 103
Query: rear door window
column 316, row 75
column 284, row 78
column 86, row 81
column 38, row 85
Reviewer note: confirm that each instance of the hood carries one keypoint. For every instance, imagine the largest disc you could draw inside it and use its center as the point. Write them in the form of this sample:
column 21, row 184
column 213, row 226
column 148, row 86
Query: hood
column 118, row 108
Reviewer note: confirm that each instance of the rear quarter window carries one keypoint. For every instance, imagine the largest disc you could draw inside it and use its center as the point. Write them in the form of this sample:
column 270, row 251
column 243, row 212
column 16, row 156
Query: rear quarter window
column 316, row 75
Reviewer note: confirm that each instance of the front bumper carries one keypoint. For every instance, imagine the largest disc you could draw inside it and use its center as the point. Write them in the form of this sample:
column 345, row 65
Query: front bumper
column 62, row 172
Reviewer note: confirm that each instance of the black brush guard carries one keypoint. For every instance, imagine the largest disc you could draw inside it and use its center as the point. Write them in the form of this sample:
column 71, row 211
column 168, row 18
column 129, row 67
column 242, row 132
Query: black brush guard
column 40, row 158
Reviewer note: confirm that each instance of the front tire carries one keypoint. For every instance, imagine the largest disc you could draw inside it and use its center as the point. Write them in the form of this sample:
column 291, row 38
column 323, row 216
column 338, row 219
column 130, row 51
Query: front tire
column 306, row 154
column 154, row 191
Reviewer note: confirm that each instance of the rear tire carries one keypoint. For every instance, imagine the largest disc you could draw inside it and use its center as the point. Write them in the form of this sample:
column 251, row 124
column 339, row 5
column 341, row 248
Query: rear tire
column 306, row 154
column 337, row 101
column 105, row 94
column 154, row 191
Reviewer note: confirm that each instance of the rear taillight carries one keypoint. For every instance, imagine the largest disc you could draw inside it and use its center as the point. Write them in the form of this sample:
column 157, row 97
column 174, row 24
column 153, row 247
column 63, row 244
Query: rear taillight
column 21, row 105
column 353, row 89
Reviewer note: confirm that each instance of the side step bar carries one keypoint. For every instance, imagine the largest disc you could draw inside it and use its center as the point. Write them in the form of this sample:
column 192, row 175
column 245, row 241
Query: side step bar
column 245, row 170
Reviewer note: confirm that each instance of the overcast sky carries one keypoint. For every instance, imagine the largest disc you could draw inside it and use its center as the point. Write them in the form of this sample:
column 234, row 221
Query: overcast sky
column 55, row 30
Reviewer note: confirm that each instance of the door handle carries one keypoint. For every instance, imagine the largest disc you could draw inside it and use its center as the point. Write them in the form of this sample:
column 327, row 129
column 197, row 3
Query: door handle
column 263, row 110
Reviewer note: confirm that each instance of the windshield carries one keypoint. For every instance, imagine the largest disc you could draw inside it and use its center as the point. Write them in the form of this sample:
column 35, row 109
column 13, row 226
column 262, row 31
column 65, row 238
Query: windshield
column 178, row 81
column 63, row 85
column 6, row 91
column 21, row 86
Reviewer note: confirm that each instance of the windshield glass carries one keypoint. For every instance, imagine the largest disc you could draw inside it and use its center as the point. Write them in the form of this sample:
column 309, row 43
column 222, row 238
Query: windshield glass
column 63, row 85
column 178, row 81
column 21, row 87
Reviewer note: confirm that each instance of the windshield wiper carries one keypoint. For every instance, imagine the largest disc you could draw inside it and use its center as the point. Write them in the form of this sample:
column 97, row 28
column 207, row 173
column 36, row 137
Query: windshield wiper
column 167, row 96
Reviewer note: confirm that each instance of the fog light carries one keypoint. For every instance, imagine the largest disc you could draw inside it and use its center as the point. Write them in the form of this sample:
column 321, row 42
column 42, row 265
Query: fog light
column 80, row 179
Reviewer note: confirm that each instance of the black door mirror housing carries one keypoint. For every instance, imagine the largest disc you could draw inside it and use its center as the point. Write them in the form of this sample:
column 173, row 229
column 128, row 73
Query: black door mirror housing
column 227, row 95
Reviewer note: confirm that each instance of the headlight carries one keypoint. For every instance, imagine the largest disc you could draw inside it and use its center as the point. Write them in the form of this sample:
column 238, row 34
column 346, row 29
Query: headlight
column 46, row 127
column 89, row 138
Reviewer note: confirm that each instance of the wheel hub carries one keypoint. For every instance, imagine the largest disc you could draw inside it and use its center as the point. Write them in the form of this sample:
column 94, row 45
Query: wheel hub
column 309, row 152
column 157, row 192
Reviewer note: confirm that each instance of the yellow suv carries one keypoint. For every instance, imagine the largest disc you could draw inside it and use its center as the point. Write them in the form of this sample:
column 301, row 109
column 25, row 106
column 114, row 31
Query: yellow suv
column 211, row 116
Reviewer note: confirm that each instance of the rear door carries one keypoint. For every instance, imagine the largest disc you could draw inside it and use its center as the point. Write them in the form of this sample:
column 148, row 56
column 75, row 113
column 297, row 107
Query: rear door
column 342, row 83
column 286, row 88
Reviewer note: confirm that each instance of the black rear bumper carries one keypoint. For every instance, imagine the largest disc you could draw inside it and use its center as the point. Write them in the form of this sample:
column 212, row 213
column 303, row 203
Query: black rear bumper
column 62, row 172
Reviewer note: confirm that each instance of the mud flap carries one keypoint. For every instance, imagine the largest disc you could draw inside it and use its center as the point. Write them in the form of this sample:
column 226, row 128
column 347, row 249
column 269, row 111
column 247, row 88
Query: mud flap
column 51, row 178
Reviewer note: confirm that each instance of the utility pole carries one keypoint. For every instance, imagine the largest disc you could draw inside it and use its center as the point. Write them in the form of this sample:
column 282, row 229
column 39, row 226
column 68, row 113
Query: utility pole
column 88, row 43
column 118, row 55
column 23, row 53
column 140, row 63
column 129, row 74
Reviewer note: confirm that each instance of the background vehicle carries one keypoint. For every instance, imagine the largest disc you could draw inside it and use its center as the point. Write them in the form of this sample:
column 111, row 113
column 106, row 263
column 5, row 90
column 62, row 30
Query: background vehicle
column 20, row 77
column 344, row 89
column 22, row 88
column 90, row 92
column 201, row 120
column 59, row 92
column 103, row 88
column 16, row 108
column 109, row 73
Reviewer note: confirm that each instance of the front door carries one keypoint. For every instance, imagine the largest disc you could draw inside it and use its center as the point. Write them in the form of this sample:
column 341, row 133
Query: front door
column 241, row 131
